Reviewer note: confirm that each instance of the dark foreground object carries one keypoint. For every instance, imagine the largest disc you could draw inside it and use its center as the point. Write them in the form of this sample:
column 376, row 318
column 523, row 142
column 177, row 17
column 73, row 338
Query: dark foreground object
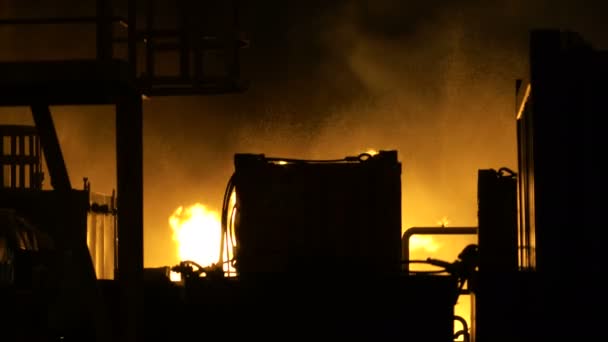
column 273, row 307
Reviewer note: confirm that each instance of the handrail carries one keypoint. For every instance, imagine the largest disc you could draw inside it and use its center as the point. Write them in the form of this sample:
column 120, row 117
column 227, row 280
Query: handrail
column 59, row 20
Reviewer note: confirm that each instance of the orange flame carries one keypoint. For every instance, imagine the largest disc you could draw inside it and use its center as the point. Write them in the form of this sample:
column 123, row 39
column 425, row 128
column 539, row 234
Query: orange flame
column 424, row 243
column 197, row 231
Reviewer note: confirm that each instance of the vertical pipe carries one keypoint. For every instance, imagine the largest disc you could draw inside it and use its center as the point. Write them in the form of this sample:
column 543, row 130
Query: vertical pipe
column 129, row 162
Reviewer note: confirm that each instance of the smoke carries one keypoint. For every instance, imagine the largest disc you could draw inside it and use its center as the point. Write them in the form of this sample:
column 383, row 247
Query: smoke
column 436, row 91
column 432, row 79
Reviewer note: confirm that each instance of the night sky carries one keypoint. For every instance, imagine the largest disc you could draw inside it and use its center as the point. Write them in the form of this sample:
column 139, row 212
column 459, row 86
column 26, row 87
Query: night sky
column 433, row 79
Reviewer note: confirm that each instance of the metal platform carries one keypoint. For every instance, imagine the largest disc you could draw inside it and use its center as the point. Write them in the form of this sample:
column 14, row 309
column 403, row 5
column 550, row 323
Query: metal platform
column 77, row 82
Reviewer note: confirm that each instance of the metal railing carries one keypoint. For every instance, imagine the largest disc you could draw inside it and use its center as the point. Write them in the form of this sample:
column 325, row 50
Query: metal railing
column 185, row 38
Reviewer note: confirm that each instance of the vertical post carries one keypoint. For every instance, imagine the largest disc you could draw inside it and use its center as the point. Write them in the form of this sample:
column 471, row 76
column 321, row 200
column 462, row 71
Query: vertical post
column 39, row 175
column 184, row 24
column 150, row 63
column 32, row 173
column 235, row 43
column 104, row 29
column 13, row 165
column 21, row 154
column 129, row 162
column 2, row 164
column 192, row 49
column 115, row 236
column 132, row 36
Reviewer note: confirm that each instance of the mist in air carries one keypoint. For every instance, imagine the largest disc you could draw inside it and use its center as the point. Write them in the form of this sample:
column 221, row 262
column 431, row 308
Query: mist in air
column 432, row 79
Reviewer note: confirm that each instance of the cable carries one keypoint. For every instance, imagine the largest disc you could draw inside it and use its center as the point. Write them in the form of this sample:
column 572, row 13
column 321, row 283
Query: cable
column 224, row 214
column 505, row 170
column 360, row 158
column 232, row 236
column 464, row 332
column 227, row 236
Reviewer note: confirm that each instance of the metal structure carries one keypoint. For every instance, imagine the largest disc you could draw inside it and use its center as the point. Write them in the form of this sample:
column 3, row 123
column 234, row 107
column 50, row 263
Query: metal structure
column 317, row 254
column 405, row 245
column 498, row 253
column 468, row 328
column 535, row 244
column 541, row 246
column 20, row 158
column 337, row 217
column 561, row 141
column 122, row 82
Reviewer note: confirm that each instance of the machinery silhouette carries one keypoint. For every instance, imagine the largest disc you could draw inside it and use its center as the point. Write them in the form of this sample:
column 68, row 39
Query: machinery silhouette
column 318, row 244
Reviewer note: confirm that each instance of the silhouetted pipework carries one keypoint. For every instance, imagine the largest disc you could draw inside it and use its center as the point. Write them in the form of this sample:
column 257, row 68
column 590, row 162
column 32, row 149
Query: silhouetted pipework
column 20, row 165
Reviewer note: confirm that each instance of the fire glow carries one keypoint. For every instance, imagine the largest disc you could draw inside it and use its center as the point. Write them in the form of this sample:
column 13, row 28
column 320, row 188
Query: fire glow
column 197, row 233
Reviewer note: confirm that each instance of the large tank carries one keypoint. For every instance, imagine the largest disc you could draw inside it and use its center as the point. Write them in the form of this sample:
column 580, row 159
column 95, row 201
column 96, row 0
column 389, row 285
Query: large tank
column 331, row 217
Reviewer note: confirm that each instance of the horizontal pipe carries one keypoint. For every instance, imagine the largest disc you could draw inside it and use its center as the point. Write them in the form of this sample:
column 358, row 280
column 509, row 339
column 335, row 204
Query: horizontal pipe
column 430, row 230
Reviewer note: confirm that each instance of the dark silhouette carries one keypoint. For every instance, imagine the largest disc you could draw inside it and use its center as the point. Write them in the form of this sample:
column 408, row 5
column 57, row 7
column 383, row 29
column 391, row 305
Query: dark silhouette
column 318, row 243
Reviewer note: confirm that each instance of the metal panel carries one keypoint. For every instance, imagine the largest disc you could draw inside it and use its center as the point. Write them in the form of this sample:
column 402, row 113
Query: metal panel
column 101, row 235
column 326, row 217
column 561, row 144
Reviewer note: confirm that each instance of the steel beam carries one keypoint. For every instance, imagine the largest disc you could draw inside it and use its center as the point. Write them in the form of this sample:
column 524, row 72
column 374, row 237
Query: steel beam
column 129, row 164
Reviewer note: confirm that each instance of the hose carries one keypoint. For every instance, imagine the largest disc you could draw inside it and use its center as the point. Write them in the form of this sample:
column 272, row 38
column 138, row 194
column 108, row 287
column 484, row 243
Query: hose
column 225, row 234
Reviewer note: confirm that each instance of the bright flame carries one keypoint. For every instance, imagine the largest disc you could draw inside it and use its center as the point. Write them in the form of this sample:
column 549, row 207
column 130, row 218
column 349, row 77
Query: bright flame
column 372, row 152
column 443, row 222
column 197, row 231
column 174, row 276
column 423, row 242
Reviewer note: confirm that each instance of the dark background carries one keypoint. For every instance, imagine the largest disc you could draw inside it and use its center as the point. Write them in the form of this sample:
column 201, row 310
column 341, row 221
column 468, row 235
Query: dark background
column 433, row 79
